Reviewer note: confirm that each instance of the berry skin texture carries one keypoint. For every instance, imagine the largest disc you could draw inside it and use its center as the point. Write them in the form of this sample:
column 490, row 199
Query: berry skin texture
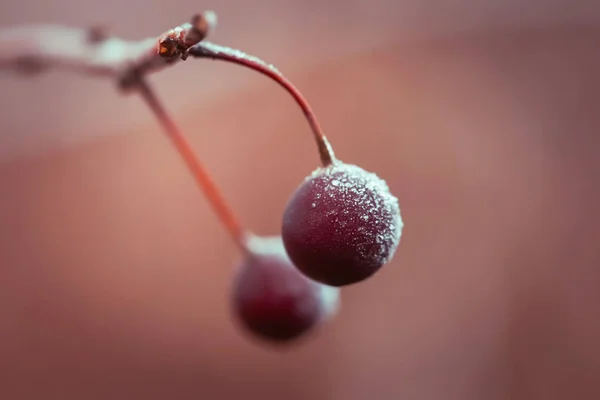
column 341, row 225
column 273, row 300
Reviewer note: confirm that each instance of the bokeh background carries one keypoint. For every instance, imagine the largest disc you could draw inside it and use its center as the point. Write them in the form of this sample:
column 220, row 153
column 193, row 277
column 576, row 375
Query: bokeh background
column 482, row 115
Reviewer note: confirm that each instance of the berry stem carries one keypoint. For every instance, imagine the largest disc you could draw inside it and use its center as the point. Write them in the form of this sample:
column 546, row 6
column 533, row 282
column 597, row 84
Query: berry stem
column 222, row 53
column 201, row 175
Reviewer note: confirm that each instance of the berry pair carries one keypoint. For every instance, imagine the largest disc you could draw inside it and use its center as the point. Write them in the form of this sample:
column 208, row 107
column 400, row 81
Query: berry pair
column 340, row 227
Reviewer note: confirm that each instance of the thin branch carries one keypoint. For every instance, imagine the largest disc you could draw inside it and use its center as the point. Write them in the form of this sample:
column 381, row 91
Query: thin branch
column 37, row 48
column 240, row 236
column 216, row 52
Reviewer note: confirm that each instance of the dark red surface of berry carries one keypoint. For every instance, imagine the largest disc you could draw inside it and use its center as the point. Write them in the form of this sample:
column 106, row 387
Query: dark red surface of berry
column 341, row 225
column 273, row 300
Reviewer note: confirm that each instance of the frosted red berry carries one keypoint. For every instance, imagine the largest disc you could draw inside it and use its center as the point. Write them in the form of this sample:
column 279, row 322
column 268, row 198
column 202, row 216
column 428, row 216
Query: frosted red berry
column 341, row 225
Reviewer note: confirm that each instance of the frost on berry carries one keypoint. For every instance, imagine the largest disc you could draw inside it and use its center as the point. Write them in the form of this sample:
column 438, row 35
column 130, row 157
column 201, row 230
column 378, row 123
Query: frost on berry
column 273, row 300
column 341, row 225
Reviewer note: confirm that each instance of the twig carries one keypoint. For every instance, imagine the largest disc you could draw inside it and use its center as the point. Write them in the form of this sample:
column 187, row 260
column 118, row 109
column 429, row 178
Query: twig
column 37, row 48
column 34, row 49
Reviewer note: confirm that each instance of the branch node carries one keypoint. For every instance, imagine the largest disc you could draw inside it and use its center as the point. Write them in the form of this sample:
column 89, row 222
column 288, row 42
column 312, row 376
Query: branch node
column 37, row 48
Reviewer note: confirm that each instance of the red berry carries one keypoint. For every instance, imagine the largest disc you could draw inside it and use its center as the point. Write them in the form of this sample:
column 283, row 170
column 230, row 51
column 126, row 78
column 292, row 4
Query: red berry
column 273, row 300
column 341, row 225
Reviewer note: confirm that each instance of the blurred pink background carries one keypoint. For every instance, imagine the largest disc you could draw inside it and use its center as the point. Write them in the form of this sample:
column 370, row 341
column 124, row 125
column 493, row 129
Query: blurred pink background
column 482, row 116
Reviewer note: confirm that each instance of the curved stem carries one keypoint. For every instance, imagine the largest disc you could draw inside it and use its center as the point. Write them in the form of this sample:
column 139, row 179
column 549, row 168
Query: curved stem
column 216, row 52
column 240, row 236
